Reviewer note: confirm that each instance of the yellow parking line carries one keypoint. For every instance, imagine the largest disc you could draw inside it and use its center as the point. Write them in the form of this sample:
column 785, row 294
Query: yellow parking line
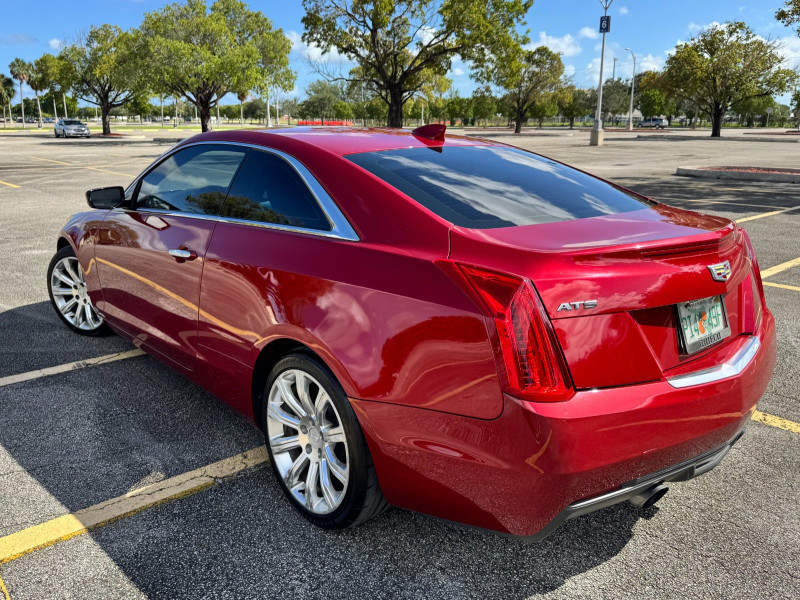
column 781, row 267
column 767, row 214
column 4, row 589
column 782, row 286
column 107, row 171
column 62, row 528
column 80, row 364
column 58, row 162
column 774, row 421
column 8, row 184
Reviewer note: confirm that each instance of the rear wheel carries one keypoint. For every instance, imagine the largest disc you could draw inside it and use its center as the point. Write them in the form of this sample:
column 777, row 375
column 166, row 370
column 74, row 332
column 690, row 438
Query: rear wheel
column 66, row 286
column 316, row 446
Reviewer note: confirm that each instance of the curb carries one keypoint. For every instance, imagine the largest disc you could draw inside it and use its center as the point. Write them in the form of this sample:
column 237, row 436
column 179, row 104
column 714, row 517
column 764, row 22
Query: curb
column 789, row 176
column 160, row 140
column 682, row 138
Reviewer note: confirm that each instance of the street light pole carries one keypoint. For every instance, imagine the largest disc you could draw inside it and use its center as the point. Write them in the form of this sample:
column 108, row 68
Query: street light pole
column 597, row 135
column 614, row 69
column 633, row 83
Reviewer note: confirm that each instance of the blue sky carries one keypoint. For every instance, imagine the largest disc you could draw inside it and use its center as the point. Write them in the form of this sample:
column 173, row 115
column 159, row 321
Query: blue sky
column 649, row 28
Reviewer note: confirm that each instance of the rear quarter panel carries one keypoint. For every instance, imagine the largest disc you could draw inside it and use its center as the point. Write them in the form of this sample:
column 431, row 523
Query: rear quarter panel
column 388, row 322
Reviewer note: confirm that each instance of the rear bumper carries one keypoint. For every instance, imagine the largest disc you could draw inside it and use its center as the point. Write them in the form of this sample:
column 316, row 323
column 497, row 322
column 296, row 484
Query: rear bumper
column 540, row 464
column 681, row 472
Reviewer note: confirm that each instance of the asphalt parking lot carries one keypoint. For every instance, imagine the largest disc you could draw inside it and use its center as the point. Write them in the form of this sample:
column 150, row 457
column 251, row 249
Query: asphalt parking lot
column 75, row 434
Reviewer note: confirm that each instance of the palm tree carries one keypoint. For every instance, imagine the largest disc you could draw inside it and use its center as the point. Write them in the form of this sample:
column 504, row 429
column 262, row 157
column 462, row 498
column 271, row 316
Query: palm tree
column 6, row 94
column 242, row 96
column 38, row 81
column 21, row 71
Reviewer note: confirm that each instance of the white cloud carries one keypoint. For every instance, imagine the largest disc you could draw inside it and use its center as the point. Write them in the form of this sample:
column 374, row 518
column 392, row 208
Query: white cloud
column 790, row 49
column 623, row 10
column 313, row 53
column 588, row 33
column 457, row 72
column 55, row 43
column 697, row 28
column 12, row 39
column 569, row 70
column 566, row 45
column 425, row 34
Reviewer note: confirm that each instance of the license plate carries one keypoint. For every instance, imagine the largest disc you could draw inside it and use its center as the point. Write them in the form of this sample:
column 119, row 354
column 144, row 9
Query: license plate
column 702, row 323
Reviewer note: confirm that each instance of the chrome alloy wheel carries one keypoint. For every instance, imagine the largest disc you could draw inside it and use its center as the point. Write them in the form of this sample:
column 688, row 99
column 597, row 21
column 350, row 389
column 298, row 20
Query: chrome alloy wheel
column 308, row 441
column 70, row 296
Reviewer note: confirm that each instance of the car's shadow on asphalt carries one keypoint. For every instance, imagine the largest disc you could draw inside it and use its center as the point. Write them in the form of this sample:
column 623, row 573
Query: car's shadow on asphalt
column 92, row 434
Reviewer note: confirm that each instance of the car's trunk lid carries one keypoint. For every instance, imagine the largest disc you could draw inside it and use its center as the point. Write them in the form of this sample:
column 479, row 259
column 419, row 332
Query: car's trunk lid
column 611, row 284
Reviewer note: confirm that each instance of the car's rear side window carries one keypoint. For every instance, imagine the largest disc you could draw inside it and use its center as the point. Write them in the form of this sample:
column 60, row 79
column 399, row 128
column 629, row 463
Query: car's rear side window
column 486, row 187
column 269, row 190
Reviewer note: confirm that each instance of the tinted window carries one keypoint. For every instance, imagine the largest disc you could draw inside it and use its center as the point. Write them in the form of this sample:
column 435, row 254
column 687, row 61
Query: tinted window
column 269, row 190
column 484, row 187
column 194, row 180
column 72, row 122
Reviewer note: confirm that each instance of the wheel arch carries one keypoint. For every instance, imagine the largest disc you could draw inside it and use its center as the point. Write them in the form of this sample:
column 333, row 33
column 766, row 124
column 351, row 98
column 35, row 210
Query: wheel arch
column 62, row 241
column 268, row 358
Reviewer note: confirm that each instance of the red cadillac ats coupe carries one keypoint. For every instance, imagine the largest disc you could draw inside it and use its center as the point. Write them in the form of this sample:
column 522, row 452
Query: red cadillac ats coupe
column 450, row 325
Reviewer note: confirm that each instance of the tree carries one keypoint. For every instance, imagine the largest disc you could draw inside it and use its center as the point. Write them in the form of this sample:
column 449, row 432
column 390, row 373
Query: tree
column 527, row 76
column 484, row 104
column 459, row 108
column 616, row 97
column 544, row 108
column 106, row 68
column 398, row 44
column 343, row 111
column 289, row 108
column 21, row 71
column 749, row 109
column 653, row 103
column 724, row 65
column 789, row 14
column 255, row 109
column 6, row 94
column 201, row 53
column 39, row 81
column 273, row 65
column 575, row 103
column 321, row 101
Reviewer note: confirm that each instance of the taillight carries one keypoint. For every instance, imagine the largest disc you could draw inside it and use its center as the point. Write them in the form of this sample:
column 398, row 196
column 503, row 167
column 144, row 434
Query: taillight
column 534, row 366
column 755, row 278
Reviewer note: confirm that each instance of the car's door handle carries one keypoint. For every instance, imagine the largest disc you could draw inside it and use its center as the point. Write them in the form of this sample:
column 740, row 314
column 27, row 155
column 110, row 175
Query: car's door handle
column 181, row 253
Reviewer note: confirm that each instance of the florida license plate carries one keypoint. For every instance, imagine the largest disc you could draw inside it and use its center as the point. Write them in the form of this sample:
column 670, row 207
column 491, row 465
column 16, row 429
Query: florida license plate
column 702, row 323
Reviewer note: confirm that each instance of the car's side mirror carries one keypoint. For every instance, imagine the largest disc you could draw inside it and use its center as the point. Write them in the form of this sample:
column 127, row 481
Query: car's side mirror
column 107, row 197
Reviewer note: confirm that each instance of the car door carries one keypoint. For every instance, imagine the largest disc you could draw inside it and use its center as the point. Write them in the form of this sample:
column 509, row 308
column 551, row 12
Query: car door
column 254, row 270
column 150, row 254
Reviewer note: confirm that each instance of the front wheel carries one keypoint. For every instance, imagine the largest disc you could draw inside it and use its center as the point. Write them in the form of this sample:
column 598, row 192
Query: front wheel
column 316, row 447
column 66, row 286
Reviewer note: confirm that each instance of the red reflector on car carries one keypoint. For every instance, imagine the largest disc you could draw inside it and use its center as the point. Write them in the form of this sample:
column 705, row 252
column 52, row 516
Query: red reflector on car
column 531, row 355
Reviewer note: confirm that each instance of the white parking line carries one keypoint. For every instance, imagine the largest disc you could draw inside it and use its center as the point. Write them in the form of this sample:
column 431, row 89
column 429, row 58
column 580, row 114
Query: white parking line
column 72, row 366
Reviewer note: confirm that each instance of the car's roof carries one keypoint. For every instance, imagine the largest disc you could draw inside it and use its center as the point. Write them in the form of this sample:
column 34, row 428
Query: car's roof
column 340, row 140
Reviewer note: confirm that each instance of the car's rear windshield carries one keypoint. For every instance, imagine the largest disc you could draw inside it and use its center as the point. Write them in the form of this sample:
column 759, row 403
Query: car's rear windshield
column 72, row 122
column 486, row 187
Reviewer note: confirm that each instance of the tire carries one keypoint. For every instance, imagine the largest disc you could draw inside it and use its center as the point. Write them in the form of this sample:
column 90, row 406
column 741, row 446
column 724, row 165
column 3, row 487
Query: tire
column 324, row 431
column 67, row 290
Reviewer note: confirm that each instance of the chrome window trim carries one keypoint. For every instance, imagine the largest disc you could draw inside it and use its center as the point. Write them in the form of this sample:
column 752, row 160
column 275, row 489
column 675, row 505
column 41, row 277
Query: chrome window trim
column 737, row 363
column 341, row 229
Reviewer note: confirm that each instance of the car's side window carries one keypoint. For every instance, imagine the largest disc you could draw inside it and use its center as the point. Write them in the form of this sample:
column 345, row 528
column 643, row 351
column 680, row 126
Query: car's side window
column 268, row 189
column 194, row 180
